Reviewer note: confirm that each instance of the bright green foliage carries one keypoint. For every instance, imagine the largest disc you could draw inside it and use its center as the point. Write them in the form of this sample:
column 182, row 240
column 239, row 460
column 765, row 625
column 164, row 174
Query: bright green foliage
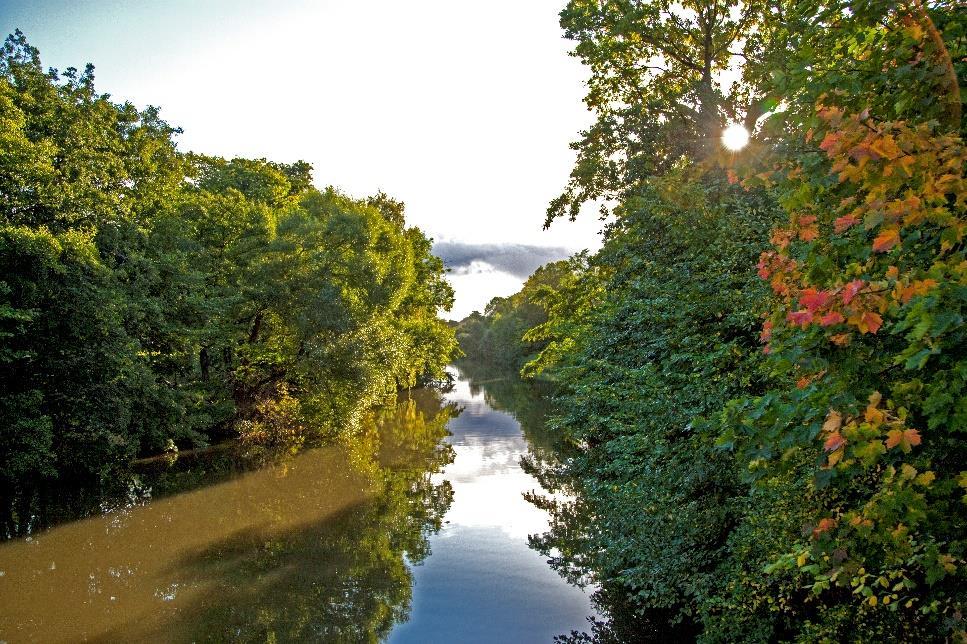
column 150, row 298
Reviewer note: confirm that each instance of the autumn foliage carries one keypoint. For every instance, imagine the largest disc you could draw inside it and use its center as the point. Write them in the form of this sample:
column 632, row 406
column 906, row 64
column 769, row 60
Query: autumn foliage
column 870, row 284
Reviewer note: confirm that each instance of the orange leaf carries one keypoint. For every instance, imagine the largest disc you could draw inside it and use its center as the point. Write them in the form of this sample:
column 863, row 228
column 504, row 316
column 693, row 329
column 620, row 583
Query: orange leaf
column 825, row 525
column 893, row 438
column 873, row 415
column 886, row 240
column 922, row 287
column 885, row 146
column 845, row 222
column 905, row 439
column 869, row 322
column 809, row 233
column 829, row 142
column 834, row 442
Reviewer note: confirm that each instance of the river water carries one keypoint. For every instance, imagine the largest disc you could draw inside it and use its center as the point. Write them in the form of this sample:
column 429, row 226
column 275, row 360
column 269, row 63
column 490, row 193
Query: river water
column 413, row 530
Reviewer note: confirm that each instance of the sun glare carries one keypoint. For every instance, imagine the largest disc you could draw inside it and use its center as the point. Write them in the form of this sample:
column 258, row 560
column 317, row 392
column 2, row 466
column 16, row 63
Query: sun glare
column 735, row 137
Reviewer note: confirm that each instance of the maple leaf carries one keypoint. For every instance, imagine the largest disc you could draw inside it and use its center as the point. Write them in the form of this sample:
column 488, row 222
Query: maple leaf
column 834, row 420
column 840, row 339
column 825, row 525
column 873, row 415
column 814, row 300
column 831, row 318
column 906, row 163
column 829, row 142
column 780, row 238
column 844, row 223
column 870, row 322
column 886, row 240
column 766, row 334
column 885, row 146
column 763, row 265
column 851, row 289
column 809, row 233
column 917, row 287
column 904, row 438
column 800, row 318
column 834, row 442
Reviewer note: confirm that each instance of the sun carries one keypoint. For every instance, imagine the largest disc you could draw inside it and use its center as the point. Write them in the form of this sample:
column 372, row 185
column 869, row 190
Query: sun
column 735, row 137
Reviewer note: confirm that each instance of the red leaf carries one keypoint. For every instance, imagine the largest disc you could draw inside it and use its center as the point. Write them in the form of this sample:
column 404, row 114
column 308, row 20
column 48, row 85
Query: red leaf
column 851, row 289
column 763, row 266
column 813, row 299
column 766, row 334
column 831, row 318
column 799, row 318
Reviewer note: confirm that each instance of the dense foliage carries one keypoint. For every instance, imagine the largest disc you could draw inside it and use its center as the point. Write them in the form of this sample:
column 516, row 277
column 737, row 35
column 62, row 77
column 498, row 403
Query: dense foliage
column 152, row 299
column 775, row 456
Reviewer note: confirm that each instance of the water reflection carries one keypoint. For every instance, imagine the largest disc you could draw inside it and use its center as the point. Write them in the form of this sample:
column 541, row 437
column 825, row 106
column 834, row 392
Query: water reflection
column 564, row 542
column 241, row 547
column 483, row 583
column 399, row 534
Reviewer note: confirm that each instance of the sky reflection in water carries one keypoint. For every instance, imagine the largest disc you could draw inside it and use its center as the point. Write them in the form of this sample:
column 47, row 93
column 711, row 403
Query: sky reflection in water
column 482, row 583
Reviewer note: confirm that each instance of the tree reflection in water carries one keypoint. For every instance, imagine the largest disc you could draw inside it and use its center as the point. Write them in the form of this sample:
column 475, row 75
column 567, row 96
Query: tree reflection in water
column 565, row 544
column 241, row 545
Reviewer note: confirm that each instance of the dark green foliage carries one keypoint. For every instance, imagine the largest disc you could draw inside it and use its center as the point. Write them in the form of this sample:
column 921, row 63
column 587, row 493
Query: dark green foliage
column 672, row 338
column 809, row 510
column 151, row 300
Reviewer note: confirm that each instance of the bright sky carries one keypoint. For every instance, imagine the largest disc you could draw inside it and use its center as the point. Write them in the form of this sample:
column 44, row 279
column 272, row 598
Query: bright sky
column 463, row 110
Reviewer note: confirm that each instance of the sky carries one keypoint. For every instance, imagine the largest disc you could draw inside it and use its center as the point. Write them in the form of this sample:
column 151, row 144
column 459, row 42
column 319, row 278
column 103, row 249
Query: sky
column 463, row 110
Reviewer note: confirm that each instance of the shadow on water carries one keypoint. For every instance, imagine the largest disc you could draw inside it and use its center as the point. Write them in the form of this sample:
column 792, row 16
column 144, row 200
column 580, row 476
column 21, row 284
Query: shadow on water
column 227, row 545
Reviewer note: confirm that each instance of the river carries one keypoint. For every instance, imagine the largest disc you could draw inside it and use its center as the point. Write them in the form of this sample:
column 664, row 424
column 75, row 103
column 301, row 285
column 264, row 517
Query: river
column 413, row 530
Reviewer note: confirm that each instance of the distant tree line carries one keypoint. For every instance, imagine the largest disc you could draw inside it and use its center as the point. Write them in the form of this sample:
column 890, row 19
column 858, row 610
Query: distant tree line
column 498, row 336
column 152, row 299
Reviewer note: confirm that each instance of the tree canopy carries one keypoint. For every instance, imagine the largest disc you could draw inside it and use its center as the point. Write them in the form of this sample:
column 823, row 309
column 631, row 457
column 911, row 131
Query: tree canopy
column 152, row 299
